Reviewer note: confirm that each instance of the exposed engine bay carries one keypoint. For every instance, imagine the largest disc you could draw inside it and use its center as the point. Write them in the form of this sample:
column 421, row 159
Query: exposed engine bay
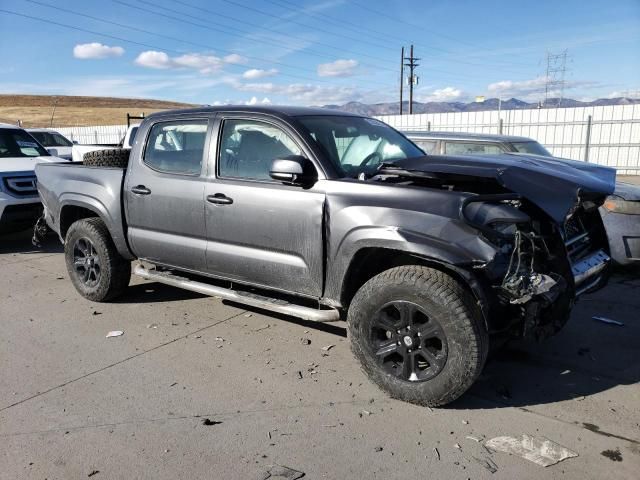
column 541, row 266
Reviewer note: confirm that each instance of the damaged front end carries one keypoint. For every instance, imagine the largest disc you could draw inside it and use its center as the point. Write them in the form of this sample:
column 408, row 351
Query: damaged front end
column 541, row 267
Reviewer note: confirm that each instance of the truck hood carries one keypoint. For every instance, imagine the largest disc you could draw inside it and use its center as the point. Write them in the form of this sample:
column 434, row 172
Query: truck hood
column 553, row 184
column 24, row 164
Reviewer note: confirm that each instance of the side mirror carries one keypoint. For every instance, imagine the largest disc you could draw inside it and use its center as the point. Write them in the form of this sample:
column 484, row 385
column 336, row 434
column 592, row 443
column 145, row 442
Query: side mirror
column 53, row 151
column 294, row 169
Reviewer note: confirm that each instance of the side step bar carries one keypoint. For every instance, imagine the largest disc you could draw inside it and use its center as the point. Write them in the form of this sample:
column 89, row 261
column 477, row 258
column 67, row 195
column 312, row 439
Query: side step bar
column 272, row 304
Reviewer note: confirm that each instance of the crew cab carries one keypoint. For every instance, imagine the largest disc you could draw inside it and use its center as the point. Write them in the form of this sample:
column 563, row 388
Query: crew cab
column 329, row 216
column 19, row 202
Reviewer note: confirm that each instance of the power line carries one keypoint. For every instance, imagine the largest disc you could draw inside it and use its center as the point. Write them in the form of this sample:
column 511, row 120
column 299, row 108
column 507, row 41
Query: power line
column 255, row 25
column 134, row 42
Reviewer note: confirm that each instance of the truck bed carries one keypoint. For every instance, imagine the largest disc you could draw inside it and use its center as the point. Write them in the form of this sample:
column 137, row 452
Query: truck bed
column 66, row 187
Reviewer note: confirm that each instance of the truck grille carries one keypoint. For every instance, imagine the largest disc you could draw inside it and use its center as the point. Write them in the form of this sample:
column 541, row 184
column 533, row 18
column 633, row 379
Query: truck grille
column 21, row 186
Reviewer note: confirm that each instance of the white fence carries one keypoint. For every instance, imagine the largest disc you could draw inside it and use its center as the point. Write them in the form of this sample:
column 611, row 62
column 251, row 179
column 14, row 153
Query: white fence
column 98, row 134
column 606, row 135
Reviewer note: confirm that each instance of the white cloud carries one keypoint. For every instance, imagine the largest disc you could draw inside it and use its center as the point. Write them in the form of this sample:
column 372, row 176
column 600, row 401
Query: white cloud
column 256, row 73
column 255, row 101
column 518, row 88
column 307, row 94
column 235, row 59
column 339, row 68
column 447, row 94
column 86, row 51
column 205, row 64
column 153, row 59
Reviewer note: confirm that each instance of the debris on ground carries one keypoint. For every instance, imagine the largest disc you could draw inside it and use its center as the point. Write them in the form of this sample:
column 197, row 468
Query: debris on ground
column 487, row 463
column 465, row 422
column 436, row 453
column 152, row 325
column 608, row 321
column 378, row 449
column 364, row 412
column 95, row 312
column 93, row 472
column 327, row 348
column 208, row 422
column 300, row 374
column 475, row 439
column 264, row 327
column 115, row 333
column 279, row 472
column 613, row 455
column 305, row 341
column 457, row 445
column 219, row 339
column 538, row 450
column 248, row 315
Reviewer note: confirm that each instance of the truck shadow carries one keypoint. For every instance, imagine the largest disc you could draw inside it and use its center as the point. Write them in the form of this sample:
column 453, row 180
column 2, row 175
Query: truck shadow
column 587, row 357
column 20, row 243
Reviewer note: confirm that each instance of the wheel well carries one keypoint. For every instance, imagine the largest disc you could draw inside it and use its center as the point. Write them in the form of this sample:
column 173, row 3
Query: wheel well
column 369, row 262
column 71, row 214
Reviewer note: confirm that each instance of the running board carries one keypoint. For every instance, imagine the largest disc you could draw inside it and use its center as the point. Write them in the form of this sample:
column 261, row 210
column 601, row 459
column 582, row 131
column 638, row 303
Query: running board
column 247, row 298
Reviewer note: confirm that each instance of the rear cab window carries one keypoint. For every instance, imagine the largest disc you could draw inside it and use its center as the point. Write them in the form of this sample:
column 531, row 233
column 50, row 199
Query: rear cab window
column 472, row 148
column 176, row 146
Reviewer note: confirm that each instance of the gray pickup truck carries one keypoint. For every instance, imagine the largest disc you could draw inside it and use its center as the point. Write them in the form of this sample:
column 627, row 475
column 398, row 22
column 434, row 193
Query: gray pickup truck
column 328, row 216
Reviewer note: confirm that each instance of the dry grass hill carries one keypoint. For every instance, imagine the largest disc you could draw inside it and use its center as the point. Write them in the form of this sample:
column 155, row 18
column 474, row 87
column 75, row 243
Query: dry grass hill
column 36, row 110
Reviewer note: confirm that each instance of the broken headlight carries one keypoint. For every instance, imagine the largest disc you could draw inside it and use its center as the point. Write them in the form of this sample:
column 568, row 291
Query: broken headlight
column 615, row 204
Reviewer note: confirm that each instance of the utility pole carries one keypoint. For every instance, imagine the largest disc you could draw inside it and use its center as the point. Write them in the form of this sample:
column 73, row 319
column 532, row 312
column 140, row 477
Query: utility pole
column 401, row 77
column 412, row 63
column 555, row 76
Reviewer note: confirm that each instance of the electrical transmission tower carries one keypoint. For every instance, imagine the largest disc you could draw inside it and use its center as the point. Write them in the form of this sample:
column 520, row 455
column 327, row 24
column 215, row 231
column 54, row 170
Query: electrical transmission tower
column 412, row 79
column 555, row 77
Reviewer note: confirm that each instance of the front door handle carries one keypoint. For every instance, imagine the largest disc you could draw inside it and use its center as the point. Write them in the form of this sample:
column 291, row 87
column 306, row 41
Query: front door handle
column 140, row 190
column 219, row 199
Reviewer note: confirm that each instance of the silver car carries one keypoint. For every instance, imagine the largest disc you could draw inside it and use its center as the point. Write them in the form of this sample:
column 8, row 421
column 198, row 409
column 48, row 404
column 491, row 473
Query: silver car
column 620, row 213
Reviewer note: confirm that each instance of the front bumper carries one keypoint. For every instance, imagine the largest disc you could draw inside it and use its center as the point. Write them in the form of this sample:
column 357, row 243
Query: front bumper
column 18, row 213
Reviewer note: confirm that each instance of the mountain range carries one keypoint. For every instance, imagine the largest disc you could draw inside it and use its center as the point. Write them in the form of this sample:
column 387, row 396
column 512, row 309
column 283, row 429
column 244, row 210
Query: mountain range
column 392, row 108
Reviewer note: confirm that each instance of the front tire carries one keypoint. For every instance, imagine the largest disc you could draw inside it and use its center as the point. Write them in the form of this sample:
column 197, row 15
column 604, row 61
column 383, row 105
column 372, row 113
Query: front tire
column 418, row 335
column 95, row 267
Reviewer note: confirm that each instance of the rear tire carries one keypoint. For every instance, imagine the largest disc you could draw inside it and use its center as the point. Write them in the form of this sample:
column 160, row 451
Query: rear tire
column 95, row 267
column 418, row 335
column 112, row 157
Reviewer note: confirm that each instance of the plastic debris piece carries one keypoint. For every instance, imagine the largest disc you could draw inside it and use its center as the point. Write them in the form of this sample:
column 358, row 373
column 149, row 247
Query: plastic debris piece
column 248, row 315
column 538, row 450
column 220, row 339
column 115, row 333
column 487, row 463
column 93, row 472
column 305, row 341
column 436, row 453
column 279, row 472
column 457, row 445
column 475, row 439
column 327, row 348
column 152, row 325
column 607, row 320
column 465, row 422
column 378, row 449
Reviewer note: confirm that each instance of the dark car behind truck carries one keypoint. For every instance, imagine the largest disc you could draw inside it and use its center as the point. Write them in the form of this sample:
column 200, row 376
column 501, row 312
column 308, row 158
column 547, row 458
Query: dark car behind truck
column 328, row 216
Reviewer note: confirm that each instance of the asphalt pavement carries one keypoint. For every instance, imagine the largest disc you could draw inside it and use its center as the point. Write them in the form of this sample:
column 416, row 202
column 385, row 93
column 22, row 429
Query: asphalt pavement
column 200, row 388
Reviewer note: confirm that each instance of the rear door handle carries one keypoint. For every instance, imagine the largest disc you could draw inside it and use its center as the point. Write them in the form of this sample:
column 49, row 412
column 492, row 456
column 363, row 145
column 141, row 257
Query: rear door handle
column 219, row 199
column 140, row 190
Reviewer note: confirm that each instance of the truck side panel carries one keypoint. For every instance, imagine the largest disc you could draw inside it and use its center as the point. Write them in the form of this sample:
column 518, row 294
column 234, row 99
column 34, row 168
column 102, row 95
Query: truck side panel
column 97, row 189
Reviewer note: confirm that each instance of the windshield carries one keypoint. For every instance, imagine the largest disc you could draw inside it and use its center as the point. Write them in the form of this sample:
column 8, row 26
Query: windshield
column 531, row 147
column 18, row 143
column 358, row 145
column 51, row 139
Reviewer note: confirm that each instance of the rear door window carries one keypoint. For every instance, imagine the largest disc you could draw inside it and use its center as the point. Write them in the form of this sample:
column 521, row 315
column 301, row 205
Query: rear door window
column 428, row 146
column 176, row 147
column 472, row 148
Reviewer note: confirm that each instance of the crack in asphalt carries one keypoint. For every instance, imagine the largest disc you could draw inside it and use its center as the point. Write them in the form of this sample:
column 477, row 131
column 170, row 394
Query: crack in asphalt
column 182, row 337
column 230, row 414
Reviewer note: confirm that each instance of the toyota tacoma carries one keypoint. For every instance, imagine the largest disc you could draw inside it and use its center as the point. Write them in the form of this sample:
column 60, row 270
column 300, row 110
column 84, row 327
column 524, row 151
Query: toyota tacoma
column 328, row 216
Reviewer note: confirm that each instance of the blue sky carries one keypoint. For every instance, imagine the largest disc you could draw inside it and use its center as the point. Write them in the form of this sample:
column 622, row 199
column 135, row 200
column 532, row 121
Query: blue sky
column 314, row 52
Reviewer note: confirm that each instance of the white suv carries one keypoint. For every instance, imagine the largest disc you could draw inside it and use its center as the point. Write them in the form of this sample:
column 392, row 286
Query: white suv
column 19, row 202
